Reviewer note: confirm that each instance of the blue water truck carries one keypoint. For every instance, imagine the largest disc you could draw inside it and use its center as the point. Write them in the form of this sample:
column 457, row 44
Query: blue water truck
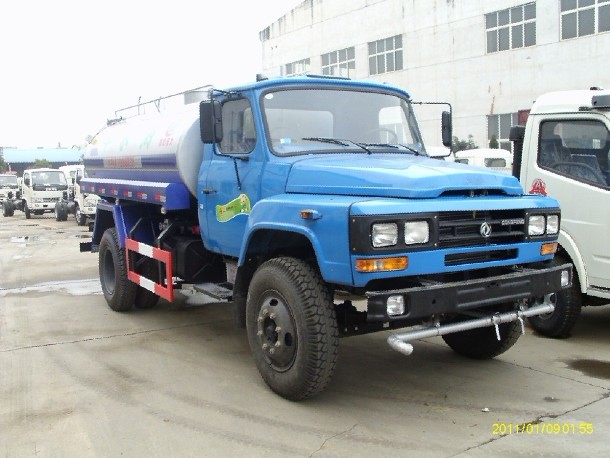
column 311, row 206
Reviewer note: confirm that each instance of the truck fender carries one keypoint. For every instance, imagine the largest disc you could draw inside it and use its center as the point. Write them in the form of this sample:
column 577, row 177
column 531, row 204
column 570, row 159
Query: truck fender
column 570, row 248
column 123, row 218
column 319, row 235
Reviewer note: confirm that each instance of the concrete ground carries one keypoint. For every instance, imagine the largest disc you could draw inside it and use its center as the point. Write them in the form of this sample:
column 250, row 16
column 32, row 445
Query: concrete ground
column 79, row 380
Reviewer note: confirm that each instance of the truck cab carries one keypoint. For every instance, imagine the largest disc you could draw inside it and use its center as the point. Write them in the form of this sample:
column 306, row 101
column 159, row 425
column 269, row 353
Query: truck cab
column 9, row 186
column 80, row 204
column 497, row 159
column 566, row 154
column 41, row 190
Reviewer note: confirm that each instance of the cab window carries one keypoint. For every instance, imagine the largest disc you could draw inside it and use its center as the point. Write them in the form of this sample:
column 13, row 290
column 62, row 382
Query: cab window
column 576, row 149
column 238, row 133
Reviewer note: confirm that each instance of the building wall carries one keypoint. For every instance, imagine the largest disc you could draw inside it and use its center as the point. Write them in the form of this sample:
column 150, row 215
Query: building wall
column 444, row 54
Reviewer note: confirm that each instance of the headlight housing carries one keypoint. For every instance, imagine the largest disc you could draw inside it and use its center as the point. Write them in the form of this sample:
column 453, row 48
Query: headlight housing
column 536, row 225
column 543, row 225
column 552, row 224
column 417, row 232
column 384, row 234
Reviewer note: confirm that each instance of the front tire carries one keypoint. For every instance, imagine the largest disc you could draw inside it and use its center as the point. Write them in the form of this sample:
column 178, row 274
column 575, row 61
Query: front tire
column 26, row 210
column 483, row 343
column 292, row 328
column 568, row 304
column 81, row 219
column 118, row 291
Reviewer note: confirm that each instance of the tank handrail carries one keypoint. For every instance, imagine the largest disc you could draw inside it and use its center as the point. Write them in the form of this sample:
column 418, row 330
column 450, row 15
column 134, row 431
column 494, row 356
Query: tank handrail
column 158, row 99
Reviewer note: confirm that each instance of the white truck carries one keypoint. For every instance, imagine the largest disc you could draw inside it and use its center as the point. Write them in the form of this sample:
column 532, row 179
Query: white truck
column 40, row 191
column 500, row 160
column 80, row 204
column 9, row 188
column 564, row 152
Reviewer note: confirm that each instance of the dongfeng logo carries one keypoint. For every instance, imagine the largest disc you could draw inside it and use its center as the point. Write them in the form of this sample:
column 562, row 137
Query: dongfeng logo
column 485, row 230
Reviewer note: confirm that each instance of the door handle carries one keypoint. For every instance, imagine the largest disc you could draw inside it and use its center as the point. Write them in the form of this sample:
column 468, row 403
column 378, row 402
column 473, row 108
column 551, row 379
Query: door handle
column 208, row 191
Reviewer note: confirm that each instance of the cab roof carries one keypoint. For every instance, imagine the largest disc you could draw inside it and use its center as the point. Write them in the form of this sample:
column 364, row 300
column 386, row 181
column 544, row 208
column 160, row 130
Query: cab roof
column 571, row 101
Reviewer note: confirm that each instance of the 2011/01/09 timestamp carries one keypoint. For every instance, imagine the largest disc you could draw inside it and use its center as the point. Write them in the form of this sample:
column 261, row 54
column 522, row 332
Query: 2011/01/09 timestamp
column 503, row 428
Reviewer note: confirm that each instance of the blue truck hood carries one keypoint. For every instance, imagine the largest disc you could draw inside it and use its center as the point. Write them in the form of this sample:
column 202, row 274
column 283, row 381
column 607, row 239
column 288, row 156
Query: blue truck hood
column 392, row 175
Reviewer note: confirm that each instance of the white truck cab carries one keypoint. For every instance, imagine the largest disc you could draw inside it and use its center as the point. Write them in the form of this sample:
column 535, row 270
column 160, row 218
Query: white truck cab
column 81, row 205
column 566, row 155
column 9, row 186
column 41, row 190
column 500, row 160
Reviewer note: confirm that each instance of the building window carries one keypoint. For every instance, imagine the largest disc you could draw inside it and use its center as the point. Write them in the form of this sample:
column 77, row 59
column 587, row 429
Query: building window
column 385, row 55
column 298, row 67
column 580, row 18
column 339, row 63
column 498, row 127
column 511, row 28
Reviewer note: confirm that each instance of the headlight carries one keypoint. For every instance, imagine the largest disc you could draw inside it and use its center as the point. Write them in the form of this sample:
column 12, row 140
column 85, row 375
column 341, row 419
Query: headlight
column 552, row 224
column 537, row 225
column 384, row 234
column 417, row 232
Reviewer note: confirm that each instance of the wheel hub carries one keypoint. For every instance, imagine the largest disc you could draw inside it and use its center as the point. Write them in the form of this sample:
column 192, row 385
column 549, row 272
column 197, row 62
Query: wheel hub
column 276, row 333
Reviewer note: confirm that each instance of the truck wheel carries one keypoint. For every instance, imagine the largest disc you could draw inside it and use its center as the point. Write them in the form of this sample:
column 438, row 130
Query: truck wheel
column 119, row 292
column 58, row 212
column 292, row 328
column 26, row 210
column 7, row 209
column 80, row 218
column 483, row 343
column 568, row 303
column 147, row 299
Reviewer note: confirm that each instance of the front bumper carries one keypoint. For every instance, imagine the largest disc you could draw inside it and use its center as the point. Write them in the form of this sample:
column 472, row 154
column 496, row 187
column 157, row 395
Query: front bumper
column 435, row 298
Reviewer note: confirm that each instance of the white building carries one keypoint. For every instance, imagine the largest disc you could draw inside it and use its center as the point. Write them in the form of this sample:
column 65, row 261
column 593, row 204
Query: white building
column 489, row 59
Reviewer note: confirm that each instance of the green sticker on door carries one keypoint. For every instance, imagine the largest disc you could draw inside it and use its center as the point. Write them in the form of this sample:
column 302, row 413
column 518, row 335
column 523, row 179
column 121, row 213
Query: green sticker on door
column 238, row 206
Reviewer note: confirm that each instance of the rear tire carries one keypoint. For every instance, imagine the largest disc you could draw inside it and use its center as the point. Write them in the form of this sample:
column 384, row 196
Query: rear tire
column 568, row 304
column 482, row 343
column 119, row 291
column 292, row 328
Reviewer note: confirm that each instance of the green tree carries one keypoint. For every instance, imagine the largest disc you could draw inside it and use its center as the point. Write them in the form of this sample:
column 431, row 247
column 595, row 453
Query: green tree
column 41, row 164
column 461, row 145
column 493, row 142
column 2, row 163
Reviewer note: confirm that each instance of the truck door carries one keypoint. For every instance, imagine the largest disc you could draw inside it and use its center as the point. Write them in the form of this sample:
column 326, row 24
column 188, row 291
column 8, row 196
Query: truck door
column 572, row 166
column 232, row 184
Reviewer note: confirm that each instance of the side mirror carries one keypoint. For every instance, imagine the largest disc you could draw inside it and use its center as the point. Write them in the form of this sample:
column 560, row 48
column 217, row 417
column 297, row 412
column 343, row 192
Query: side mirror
column 77, row 179
column 210, row 121
column 26, row 181
column 446, row 128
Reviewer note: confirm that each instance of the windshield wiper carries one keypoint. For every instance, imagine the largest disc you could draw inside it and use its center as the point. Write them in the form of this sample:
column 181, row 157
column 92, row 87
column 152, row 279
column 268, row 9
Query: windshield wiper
column 336, row 141
column 392, row 145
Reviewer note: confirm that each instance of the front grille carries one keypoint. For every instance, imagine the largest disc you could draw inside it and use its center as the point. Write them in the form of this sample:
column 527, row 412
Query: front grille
column 479, row 256
column 463, row 228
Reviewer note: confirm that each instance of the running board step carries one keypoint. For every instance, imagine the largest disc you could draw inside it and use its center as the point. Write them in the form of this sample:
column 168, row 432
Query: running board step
column 222, row 291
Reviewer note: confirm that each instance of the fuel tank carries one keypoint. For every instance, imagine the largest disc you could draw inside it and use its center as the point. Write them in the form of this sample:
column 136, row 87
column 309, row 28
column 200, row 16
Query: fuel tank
column 162, row 148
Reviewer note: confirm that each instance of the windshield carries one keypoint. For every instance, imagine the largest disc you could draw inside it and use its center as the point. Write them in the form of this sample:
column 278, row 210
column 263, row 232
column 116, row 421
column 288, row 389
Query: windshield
column 8, row 181
column 49, row 178
column 303, row 121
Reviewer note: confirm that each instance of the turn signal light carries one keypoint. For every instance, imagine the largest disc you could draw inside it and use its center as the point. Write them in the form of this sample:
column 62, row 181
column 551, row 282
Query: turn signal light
column 548, row 248
column 382, row 264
